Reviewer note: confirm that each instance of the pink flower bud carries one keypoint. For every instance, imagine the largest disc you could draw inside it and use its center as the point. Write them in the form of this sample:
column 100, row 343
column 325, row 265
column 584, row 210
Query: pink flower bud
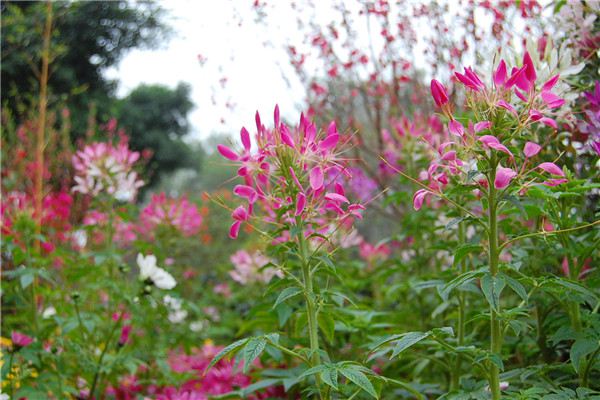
column 439, row 93
column 551, row 168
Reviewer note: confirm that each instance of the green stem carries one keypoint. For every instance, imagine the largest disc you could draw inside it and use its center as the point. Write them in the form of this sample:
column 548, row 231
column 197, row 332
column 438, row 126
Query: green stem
column 460, row 329
column 311, row 313
column 588, row 368
column 101, row 359
column 494, row 253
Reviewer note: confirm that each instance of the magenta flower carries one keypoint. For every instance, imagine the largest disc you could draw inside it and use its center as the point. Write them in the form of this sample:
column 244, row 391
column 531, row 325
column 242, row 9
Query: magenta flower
column 456, row 128
column 124, row 338
column 500, row 74
column 293, row 176
column 438, row 91
column 20, row 339
column 503, row 177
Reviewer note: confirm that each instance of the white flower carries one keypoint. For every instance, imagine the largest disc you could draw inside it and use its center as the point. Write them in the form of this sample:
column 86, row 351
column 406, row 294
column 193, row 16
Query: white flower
column 49, row 312
column 178, row 316
column 197, row 326
column 4, row 396
column 149, row 270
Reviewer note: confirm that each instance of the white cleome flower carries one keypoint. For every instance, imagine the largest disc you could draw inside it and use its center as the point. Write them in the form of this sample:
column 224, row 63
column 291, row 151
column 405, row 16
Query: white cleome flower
column 149, row 270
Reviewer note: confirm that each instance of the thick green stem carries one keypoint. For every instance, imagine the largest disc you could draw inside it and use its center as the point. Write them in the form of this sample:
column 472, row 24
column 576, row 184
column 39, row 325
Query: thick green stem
column 311, row 311
column 460, row 328
column 494, row 253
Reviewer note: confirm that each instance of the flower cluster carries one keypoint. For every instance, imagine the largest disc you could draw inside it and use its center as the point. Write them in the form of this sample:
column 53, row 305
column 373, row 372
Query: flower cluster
column 178, row 213
column 292, row 177
column 501, row 121
column 249, row 268
column 102, row 167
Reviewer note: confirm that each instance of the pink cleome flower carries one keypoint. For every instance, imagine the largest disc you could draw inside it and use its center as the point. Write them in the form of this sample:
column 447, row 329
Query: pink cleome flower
column 292, row 177
column 105, row 168
column 179, row 213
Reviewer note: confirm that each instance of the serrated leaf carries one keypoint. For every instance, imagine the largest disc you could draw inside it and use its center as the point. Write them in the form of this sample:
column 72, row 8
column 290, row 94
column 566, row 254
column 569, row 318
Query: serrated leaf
column 454, row 222
column 330, row 376
column 359, row 379
column 252, row 350
column 287, row 293
column 312, row 371
column 580, row 349
column 492, row 287
column 409, row 339
column 228, row 349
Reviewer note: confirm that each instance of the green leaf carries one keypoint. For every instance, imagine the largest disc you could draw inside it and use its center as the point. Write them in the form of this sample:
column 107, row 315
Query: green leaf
column 312, row 371
column 330, row 376
column 580, row 349
column 460, row 280
column 26, row 280
column 407, row 340
column 227, row 350
column 327, row 325
column 463, row 250
column 252, row 350
column 492, row 287
column 359, row 379
column 287, row 293
column 516, row 286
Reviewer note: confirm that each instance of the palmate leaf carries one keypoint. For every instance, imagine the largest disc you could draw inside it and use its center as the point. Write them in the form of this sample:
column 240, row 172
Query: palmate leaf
column 409, row 339
column 254, row 347
column 356, row 376
column 231, row 349
column 581, row 348
column 492, row 287
column 287, row 293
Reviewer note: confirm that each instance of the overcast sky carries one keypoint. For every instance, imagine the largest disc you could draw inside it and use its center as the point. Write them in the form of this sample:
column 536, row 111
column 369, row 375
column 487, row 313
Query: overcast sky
column 234, row 48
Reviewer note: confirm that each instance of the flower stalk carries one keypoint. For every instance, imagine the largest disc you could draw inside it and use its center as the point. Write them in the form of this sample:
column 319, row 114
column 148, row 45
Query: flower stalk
column 494, row 254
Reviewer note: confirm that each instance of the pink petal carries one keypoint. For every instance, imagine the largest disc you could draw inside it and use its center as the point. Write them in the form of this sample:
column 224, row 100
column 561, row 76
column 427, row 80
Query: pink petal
column 246, row 192
column 316, row 178
column 336, row 198
column 551, row 168
column 500, row 74
column 234, row 230
column 456, row 128
column 286, row 138
column 240, row 214
column 531, row 149
column 529, row 68
column 480, row 126
column 227, row 152
column 330, row 142
column 332, row 129
column 245, row 136
column 549, row 122
column 550, row 83
column 300, row 203
column 508, row 107
column 552, row 100
column 503, row 177
column 419, row 197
